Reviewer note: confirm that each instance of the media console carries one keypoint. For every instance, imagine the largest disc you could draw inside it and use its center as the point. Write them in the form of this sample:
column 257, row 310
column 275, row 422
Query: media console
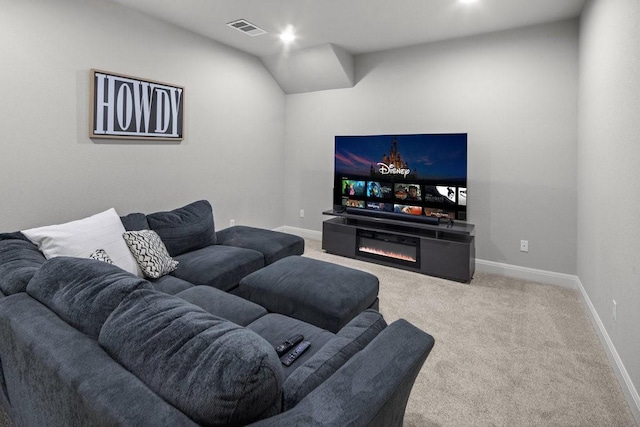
column 441, row 250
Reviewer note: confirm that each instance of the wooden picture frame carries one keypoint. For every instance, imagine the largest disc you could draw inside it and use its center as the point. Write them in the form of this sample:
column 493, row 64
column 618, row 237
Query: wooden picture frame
column 126, row 107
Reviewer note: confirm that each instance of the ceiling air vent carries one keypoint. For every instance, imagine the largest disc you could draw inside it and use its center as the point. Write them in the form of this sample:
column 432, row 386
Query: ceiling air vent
column 247, row 27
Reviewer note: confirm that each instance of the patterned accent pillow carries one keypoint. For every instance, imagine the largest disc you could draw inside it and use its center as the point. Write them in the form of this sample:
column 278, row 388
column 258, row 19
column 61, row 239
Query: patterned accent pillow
column 101, row 255
column 150, row 253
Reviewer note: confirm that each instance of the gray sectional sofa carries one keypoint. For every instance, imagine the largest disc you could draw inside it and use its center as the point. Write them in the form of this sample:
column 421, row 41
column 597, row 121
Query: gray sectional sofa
column 84, row 343
column 206, row 257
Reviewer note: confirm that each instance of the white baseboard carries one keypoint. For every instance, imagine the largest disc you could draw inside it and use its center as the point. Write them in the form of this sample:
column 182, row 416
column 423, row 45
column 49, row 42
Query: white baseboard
column 302, row 232
column 629, row 390
column 569, row 281
column 525, row 273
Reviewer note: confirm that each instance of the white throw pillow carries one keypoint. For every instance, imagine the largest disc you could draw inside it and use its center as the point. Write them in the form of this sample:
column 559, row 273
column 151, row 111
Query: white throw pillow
column 82, row 237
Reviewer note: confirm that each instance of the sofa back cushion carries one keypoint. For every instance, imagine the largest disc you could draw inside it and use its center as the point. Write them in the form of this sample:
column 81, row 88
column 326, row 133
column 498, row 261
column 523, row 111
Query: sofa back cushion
column 135, row 222
column 215, row 371
column 19, row 261
column 185, row 229
column 349, row 340
column 82, row 291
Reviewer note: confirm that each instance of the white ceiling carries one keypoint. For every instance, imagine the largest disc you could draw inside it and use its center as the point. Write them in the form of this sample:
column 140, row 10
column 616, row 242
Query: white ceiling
column 357, row 26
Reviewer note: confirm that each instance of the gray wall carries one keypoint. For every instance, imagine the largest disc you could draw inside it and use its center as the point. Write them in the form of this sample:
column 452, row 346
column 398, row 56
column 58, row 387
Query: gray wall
column 513, row 92
column 608, row 176
column 52, row 172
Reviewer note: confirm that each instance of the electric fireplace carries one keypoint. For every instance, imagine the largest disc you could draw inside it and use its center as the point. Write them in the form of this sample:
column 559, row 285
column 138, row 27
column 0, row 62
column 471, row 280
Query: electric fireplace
column 393, row 248
column 444, row 250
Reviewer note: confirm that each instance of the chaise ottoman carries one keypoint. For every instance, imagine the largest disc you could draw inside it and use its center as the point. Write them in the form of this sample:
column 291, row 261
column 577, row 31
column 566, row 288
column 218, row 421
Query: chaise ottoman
column 321, row 293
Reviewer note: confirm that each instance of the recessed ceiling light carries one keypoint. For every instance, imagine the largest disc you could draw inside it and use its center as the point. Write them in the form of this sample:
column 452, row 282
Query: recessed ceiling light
column 287, row 36
column 467, row 1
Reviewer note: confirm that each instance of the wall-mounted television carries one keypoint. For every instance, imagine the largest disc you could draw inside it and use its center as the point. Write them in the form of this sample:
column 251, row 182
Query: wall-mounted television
column 417, row 177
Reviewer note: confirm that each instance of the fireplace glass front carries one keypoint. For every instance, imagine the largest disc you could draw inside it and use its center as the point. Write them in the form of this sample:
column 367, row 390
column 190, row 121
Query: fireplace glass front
column 392, row 248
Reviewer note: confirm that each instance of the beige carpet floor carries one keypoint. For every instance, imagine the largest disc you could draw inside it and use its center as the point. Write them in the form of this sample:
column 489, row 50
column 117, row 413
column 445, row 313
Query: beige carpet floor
column 508, row 352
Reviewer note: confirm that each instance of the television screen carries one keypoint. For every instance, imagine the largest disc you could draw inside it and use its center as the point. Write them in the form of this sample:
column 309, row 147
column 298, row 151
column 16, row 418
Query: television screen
column 406, row 176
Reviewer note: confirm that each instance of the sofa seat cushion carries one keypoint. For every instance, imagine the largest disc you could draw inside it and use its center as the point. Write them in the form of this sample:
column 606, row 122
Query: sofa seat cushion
column 222, row 304
column 324, row 294
column 274, row 245
column 276, row 328
column 82, row 291
column 216, row 372
column 327, row 360
column 185, row 229
column 170, row 284
column 19, row 261
column 219, row 266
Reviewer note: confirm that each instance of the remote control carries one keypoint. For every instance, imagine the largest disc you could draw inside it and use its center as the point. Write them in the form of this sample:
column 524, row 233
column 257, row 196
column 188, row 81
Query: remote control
column 288, row 343
column 291, row 357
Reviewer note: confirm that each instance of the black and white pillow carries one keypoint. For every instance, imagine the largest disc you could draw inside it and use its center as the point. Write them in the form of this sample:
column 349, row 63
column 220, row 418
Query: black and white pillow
column 150, row 253
column 101, row 255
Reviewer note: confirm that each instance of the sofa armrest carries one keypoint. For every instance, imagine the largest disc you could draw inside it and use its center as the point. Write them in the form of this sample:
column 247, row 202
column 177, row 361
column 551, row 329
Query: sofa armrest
column 55, row 375
column 371, row 389
column 19, row 261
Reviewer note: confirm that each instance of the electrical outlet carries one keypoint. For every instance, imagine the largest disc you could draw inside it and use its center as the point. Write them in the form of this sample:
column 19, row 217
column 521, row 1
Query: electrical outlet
column 615, row 310
column 301, row 213
column 232, row 222
column 524, row 246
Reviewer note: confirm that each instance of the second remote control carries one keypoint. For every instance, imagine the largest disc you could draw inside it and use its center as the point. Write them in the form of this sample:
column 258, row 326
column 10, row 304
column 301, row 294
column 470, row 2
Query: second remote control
column 289, row 342
column 291, row 357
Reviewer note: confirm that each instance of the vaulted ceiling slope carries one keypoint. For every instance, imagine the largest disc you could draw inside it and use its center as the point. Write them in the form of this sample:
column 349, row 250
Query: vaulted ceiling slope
column 352, row 27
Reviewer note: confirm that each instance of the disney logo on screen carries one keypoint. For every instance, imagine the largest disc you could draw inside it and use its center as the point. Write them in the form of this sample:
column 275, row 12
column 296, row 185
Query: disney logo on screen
column 392, row 170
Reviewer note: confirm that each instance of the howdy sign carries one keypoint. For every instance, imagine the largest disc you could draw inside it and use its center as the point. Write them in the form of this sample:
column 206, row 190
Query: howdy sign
column 127, row 107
